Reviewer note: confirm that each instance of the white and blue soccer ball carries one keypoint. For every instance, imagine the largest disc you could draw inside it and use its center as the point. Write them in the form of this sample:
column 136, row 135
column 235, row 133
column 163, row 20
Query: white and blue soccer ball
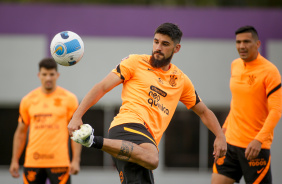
column 67, row 48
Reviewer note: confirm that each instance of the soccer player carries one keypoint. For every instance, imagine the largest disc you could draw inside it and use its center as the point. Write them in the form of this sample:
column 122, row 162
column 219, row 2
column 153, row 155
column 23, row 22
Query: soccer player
column 255, row 110
column 152, row 88
column 46, row 111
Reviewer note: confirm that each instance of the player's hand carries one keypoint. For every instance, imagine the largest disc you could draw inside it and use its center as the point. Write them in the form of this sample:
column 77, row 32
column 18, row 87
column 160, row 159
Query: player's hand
column 74, row 168
column 220, row 147
column 253, row 149
column 14, row 169
column 74, row 124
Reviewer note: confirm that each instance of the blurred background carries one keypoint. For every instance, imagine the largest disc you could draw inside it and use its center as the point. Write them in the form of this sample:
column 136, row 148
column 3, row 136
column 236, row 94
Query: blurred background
column 113, row 29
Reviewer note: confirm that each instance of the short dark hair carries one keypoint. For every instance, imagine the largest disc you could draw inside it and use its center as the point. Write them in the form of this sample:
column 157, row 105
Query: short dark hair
column 248, row 29
column 170, row 30
column 48, row 63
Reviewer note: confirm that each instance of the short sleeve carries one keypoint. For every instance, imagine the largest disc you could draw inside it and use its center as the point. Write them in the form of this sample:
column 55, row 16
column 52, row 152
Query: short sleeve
column 23, row 110
column 189, row 96
column 125, row 70
column 72, row 106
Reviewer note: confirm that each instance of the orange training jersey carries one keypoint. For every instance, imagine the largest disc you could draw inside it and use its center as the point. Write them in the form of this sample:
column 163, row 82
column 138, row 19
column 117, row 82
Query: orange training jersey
column 151, row 95
column 47, row 116
column 256, row 103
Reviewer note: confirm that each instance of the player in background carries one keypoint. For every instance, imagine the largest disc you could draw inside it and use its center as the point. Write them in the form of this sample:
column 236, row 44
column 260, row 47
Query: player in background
column 152, row 88
column 255, row 110
column 46, row 111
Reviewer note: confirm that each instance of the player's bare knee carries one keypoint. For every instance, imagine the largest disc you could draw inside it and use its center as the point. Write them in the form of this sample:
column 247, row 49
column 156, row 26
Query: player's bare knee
column 153, row 162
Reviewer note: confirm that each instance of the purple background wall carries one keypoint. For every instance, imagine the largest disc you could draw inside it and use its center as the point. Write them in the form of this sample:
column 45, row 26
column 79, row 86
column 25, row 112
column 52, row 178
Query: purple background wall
column 136, row 21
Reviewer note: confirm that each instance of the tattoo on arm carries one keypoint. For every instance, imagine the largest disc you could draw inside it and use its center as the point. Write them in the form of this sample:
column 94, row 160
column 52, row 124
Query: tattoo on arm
column 125, row 151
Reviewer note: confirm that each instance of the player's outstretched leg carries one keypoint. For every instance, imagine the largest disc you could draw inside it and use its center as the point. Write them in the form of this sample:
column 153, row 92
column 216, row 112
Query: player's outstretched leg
column 84, row 136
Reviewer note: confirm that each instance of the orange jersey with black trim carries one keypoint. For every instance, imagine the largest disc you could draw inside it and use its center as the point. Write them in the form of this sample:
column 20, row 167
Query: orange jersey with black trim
column 151, row 95
column 256, row 103
column 47, row 116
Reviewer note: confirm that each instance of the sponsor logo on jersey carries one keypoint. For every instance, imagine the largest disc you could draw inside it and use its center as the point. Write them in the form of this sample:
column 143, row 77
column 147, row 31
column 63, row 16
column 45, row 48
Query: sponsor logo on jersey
column 155, row 96
column 46, row 126
column 159, row 91
column 42, row 156
column 41, row 118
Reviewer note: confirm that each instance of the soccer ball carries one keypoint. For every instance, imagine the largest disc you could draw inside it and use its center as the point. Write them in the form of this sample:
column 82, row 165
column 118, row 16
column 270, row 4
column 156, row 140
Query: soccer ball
column 67, row 48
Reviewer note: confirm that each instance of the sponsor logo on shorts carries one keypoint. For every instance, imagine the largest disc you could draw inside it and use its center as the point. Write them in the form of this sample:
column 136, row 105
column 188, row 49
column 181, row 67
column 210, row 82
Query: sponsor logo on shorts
column 220, row 161
column 257, row 162
column 121, row 176
column 31, row 175
column 61, row 177
column 59, row 170
column 259, row 171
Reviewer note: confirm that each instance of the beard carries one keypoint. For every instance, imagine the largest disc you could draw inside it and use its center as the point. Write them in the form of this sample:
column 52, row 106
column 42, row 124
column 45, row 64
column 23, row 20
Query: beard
column 158, row 63
column 49, row 86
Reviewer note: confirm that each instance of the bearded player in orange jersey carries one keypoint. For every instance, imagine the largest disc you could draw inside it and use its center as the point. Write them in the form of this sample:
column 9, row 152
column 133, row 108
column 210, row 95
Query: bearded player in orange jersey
column 255, row 110
column 46, row 111
column 152, row 88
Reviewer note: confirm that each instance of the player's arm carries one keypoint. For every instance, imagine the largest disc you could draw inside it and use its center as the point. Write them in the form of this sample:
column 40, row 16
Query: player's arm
column 76, row 153
column 275, row 110
column 224, row 126
column 91, row 98
column 18, row 147
column 210, row 120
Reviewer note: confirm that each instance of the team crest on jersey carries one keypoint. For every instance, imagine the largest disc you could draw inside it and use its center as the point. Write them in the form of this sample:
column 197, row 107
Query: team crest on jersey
column 172, row 80
column 57, row 102
column 31, row 175
column 251, row 79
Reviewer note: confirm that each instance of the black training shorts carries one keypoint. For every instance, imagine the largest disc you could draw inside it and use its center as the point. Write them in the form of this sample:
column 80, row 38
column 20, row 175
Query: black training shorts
column 131, row 173
column 235, row 165
column 56, row 175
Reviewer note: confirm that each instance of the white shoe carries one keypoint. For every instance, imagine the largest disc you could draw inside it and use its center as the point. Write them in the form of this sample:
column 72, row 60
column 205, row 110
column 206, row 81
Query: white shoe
column 84, row 136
